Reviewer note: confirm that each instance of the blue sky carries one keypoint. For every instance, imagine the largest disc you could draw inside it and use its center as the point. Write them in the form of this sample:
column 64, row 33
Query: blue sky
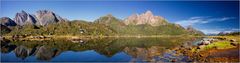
column 207, row 16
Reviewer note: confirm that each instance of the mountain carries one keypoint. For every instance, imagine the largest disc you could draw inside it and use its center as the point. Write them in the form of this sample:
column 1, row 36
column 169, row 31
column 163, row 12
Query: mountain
column 233, row 33
column 45, row 17
column 191, row 30
column 145, row 24
column 110, row 21
column 145, row 18
column 23, row 18
column 7, row 21
column 42, row 17
column 45, row 22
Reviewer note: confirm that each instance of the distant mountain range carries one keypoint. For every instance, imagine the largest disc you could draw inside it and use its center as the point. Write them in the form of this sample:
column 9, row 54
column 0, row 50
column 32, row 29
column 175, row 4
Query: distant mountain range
column 46, row 22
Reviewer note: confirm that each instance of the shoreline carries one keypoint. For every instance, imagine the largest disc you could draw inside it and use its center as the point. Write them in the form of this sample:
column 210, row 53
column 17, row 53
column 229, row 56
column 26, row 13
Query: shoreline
column 218, row 51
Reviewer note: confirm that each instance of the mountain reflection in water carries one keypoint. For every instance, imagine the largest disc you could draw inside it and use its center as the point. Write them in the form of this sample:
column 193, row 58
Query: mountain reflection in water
column 93, row 50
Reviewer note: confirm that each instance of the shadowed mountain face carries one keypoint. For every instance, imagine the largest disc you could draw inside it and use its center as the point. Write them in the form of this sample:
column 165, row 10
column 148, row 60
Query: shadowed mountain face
column 4, row 29
column 7, row 21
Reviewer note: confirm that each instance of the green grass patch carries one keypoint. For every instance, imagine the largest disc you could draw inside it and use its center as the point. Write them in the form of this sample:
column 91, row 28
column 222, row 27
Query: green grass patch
column 219, row 45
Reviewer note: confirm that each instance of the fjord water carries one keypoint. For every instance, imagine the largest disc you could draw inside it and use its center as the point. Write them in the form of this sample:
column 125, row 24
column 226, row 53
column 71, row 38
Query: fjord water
column 94, row 50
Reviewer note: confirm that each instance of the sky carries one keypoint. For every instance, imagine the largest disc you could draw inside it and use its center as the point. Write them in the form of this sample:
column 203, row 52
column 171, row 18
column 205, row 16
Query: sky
column 210, row 17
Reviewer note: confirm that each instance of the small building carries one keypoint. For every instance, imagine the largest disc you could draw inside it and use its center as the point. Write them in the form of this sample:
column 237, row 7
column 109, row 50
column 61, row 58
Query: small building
column 82, row 30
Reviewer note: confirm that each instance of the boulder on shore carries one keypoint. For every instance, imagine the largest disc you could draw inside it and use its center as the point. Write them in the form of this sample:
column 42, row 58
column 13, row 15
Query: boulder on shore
column 232, row 40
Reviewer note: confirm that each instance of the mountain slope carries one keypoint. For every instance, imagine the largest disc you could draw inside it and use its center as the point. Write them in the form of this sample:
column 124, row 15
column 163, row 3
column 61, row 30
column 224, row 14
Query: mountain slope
column 193, row 31
column 111, row 22
column 143, row 26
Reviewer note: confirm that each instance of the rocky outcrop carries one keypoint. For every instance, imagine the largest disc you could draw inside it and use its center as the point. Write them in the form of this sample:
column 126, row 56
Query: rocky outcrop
column 7, row 21
column 146, row 18
column 20, row 18
column 45, row 17
column 23, row 18
column 42, row 17
column 30, row 19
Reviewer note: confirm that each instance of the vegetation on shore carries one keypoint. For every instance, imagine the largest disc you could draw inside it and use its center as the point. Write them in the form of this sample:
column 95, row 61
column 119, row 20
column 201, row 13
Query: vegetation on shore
column 82, row 28
column 224, row 45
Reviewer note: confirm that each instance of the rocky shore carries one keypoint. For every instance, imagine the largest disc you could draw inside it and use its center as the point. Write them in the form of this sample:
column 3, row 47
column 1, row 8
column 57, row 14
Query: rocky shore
column 211, row 49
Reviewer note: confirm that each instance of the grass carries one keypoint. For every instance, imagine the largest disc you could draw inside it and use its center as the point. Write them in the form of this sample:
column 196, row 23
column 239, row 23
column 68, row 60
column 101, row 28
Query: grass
column 219, row 45
column 222, row 44
column 228, row 37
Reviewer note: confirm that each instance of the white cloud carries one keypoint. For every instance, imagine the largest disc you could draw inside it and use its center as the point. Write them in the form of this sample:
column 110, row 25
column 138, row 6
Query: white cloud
column 226, row 18
column 201, row 20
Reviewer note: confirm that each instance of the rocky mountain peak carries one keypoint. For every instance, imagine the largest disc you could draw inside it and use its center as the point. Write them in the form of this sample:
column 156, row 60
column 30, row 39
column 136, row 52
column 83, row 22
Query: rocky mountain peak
column 109, row 15
column 23, row 12
column 43, row 12
column 20, row 18
column 145, row 18
column 42, row 17
column 148, row 13
column 7, row 21
column 24, row 18
column 45, row 17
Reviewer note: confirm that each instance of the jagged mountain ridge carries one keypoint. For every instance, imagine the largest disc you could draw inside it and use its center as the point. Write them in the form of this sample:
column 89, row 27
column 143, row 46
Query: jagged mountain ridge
column 145, row 18
column 144, row 24
column 42, row 17
column 148, row 26
column 7, row 21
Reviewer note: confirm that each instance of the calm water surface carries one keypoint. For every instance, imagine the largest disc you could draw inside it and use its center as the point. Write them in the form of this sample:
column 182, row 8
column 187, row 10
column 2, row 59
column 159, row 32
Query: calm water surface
column 95, row 50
